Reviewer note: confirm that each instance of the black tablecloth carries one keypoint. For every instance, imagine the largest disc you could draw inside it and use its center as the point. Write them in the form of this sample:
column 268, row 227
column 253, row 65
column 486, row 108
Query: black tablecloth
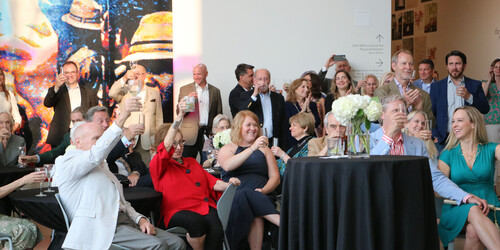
column 8, row 175
column 385, row 202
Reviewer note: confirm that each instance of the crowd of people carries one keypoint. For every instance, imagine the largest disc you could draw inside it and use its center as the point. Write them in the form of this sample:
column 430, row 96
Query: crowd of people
column 455, row 122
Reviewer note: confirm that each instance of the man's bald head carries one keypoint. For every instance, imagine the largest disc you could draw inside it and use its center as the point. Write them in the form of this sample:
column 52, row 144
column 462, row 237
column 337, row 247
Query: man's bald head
column 86, row 135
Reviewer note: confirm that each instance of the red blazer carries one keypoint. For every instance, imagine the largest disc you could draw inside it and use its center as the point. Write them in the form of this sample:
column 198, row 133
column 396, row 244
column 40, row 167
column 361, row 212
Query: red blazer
column 184, row 187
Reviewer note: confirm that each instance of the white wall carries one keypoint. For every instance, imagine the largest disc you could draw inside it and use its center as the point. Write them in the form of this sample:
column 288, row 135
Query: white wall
column 287, row 37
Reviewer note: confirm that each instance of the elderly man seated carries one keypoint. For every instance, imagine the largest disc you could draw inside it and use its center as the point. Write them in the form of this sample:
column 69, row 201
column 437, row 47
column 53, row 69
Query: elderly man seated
column 319, row 146
column 10, row 143
column 93, row 197
column 389, row 140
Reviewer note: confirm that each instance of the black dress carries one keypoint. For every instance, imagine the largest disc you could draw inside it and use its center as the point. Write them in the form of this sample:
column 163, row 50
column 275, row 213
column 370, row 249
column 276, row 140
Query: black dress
column 247, row 203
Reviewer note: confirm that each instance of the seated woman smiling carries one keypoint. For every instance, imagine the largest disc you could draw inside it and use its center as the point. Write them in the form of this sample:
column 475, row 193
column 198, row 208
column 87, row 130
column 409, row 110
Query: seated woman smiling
column 189, row 192
column 469, row 161
column 249, row 159
column 302, row 129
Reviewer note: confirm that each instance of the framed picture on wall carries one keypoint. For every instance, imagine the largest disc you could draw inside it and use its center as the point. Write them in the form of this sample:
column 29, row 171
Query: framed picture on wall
column 399, row 5
column 430, row 18
column 408, row 23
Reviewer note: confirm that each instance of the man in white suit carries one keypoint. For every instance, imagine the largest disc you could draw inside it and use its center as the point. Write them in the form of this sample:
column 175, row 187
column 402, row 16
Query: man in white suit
column 389, row 140
column 93, row 197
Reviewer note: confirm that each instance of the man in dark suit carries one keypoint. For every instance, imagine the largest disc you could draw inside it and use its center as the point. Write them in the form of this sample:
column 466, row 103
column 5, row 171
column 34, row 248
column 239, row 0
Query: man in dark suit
column 452, row 92
column 244, row 75
column 128, row 164
column 64, row 96
column 269, row 106
column 199, row 123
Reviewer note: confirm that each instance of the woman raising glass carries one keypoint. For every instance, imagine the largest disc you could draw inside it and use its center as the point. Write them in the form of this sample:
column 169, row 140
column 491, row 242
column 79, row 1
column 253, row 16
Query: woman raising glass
column 189, row 192
column 249, row 159
column 469, row 161
column 417, row 127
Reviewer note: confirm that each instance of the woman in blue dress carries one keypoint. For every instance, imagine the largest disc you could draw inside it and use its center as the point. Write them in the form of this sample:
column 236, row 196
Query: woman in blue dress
column 469, row 161
column 249, row 158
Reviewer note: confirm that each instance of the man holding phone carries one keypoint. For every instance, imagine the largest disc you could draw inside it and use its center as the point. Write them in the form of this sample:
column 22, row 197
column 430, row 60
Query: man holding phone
column 341, row 63
column 452, row 92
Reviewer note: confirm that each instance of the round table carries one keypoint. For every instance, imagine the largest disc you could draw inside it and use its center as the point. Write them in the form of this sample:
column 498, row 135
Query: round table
column 46, row 210
column 8, row 175
column 385, row 202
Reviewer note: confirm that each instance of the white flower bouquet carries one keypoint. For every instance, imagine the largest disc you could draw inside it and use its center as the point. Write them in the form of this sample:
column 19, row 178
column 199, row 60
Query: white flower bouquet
column 222, row 138
column 354, row 110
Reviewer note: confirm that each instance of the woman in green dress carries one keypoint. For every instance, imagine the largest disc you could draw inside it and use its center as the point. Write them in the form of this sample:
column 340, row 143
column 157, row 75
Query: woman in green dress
column 24, row 233
column 469, row 161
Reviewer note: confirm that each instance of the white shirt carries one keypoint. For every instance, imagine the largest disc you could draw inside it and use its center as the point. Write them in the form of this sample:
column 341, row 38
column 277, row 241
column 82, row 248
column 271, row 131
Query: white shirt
column 203, row 103
column 454, row 101
column 75, row 97
column 267, row 112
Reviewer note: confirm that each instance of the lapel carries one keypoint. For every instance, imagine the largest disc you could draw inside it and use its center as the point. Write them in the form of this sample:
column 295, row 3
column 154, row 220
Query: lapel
column 408, row 145
column 393, row 88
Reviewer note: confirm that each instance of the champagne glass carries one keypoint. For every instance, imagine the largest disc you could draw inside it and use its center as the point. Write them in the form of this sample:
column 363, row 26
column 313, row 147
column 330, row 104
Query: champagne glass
column 211, row 156
column 21, row 151
column 275, row 141
column 49, row 171
column 142, row 117
column 133, row 87
column 402, row 108
column 41, row 194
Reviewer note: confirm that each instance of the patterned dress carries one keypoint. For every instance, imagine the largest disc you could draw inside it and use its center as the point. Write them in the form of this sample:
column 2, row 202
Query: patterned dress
column 24, row 233
column 493, row 117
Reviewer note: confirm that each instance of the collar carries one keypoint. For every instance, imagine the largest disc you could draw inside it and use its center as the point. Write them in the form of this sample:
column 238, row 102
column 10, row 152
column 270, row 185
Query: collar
column 76, row 87
column 462, row 80
column 196, row 86
column 400, row 137
column 399, row 84
column 266, row 95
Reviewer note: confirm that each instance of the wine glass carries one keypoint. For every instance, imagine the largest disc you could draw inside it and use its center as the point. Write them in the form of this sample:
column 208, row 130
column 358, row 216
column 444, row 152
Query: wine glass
column 49, row 171
column 133, row 87
column 41, row 194
column 21, row 151
column 211, row 156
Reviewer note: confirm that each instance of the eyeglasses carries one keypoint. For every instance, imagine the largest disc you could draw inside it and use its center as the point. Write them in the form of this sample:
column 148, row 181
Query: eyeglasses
column 177, row 143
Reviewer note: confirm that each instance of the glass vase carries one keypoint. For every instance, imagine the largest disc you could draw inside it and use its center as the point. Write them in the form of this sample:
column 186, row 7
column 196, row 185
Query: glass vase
column 358, row 141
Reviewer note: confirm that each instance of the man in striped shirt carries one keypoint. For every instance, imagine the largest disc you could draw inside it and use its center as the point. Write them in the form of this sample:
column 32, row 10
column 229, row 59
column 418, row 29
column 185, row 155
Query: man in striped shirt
column 389, row 140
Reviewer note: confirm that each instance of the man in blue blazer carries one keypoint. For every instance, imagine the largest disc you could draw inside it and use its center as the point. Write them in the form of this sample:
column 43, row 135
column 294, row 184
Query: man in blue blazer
column 389, row 140
column 425, row 71
column 452, row 92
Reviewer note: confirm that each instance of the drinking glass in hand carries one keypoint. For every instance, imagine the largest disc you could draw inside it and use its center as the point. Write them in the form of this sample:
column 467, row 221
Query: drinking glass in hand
column 133, row 87
column 142, row 117
column 49, row 171
column 21, row 152
column 41, row 194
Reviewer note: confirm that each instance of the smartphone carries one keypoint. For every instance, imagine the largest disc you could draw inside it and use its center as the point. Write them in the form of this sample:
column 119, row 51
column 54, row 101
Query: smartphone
column 339, row 58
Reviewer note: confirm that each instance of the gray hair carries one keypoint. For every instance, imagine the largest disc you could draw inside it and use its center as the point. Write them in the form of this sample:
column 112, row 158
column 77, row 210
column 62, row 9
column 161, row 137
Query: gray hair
column 217, row 119
column 90, row 113
column 391, row 98
column 73, row 129
column 10, row 119
column 401, row 51
column 325, row 120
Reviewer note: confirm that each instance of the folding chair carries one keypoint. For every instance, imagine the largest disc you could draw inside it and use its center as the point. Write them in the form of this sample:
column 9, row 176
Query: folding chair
column 224, row 209
column 66, row 219
column 7, row 238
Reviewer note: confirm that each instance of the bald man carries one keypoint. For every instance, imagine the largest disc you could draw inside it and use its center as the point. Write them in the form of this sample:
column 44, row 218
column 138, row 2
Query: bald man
column 209, row 104
column 93, row 197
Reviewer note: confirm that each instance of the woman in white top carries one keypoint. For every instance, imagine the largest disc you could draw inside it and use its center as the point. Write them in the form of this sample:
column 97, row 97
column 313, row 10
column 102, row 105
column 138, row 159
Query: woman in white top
column 8, row 102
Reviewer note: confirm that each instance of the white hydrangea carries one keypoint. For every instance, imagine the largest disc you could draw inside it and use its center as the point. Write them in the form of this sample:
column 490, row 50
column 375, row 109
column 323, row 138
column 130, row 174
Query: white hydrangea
column 345, row 108
column 222, row 138
column 373, row 111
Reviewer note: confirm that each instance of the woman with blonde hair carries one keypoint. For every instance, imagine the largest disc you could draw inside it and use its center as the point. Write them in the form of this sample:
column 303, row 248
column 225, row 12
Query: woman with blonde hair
column 302, row 129
column 249, row 158
column 491, row 90
column 299, row 100
column 386, row 78
column 417, row 127
column 370, row 86
column 469, row 161
column 8, row 102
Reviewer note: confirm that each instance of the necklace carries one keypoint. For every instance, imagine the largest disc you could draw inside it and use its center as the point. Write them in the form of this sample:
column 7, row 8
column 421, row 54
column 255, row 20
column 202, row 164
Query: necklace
column 470, row 155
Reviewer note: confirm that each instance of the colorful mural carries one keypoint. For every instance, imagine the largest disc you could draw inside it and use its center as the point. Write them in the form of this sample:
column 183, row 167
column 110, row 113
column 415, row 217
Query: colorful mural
column 101, row 36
